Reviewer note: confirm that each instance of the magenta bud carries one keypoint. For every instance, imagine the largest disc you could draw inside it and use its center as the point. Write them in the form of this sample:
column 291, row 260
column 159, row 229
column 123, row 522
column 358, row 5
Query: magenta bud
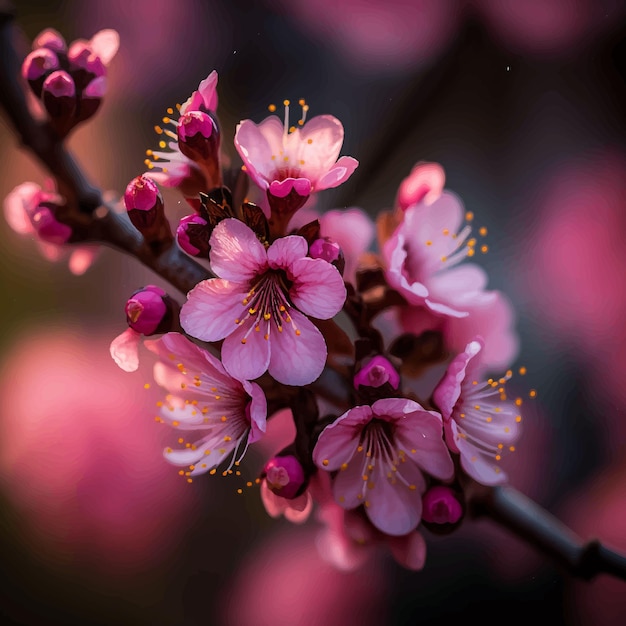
column 48, row 228
column 146, row 310
column 59, row 85
column 284, row 475
column 82, row 57
column 142, row 194
column 39, row 63
column 193, row 235
column 96, row 88
column 325, row 249
column 376, row 373
column 51, row 39
column 194, row 123
column 441, row 506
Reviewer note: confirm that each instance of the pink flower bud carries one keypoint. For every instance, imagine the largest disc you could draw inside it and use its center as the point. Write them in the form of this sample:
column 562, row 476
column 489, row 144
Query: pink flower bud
column 146, row 309
column 325, row 249
column 82, row 57
column 59, row 85
column 193, row 235
column 51, row 39
column 441, row 506
column 39, row 63
column 46, row 225
column 193, row 123
column 284, row 476
column 376, row 373
column 199, row 139
column 142, row 194
column 96, row 88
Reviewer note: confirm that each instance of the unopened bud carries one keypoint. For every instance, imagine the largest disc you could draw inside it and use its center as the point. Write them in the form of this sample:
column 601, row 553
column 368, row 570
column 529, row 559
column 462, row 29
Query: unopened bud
column 144, row 204
column 440, row 505
column 376, row 372
column 85, row 64
column 193, row 235
column 284, row 476
column 199, row 140
column 36, row 67
column 48, row 228
column 328, row 250
column 150, row 310
column 51, row 39
column 91, row 98
column 59, row 98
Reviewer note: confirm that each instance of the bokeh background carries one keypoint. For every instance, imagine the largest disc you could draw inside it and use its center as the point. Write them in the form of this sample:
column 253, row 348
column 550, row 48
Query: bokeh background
column 523, row 104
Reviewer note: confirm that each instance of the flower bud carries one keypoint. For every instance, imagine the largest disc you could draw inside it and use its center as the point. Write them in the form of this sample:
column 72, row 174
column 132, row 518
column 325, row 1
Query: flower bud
column 284, row 476
column 51, row 39
column 199, row 140
column 144, row 204
column 36, row 67
column 150, row 310
column 441, row 506
column 328, row 250
column 48, row 228
column 193, row 235
column 376, row 372
column 59, row 99
column 85, row 64
column 91, row 98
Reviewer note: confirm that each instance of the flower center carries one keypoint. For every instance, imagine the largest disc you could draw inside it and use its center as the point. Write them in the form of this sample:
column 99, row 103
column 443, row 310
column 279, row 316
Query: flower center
column 268, row 305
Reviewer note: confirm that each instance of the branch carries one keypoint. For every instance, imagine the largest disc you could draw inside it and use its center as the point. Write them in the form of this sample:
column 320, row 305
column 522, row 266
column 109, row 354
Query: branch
column 536, row 526
column 99, row 221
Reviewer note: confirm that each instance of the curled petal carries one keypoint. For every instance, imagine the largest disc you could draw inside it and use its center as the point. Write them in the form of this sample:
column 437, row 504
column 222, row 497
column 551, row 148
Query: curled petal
column 105, row 44
column 337, row 174
column 125, row 350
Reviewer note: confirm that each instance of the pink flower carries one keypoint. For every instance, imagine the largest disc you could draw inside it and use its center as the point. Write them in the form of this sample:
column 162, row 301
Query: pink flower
column 204, row 397
column 424, row 183
column 380, row 452
column 260, row 302
column 177, row 170
column 423, row 254
column 478, row 424
column 29, row 210
column 303, row 160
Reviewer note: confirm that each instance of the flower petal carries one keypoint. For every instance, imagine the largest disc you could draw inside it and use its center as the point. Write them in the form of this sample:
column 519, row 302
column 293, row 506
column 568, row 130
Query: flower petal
column 256, row 146
column 299, row 509
column 285, row 251
column 258, row 411
column 247, row 360
column 125, row 350
column 409, row 551
column 18, row 203
column 337, row 174
column 318, row 144
column 236, row 253
column 208, row 91
column 338, row 442
column 348, row 486
column 211, row 309
column 297, row 359
column 105, row 44
column 318, row 289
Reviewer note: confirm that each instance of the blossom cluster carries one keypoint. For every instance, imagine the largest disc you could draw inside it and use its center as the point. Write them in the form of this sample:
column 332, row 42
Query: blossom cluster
column 384, row 352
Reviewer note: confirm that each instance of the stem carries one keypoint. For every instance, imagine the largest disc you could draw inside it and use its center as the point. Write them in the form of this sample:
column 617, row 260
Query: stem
column 535, row 525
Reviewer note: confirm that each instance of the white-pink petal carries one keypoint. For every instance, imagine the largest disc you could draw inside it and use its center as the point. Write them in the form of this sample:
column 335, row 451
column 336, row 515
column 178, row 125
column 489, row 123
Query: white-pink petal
column 125, row 350
column 248, row 360
column 337, row 174
column 318, row 288
column 297, row 359
column 285, row 251
column 236, row 253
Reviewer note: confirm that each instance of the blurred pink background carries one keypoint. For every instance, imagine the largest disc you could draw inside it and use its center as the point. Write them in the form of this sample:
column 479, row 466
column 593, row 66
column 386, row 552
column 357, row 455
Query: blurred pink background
column 522, row 104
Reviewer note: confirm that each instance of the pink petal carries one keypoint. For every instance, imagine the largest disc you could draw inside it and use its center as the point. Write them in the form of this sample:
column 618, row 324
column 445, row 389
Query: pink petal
column 349, row 484
column 282, row 188
column 459, row 286
column 105, row 44
column 318, row 144
column 423, row 222
column 285, row 251
column 208, row 91
column 236, row 253
column 396, row 254
column 318, row 288
column 125, row 350
column 246, row 361
column 274, row 505
column 255, row 149
column 258, row 411
column 425, row 182
column 409, row 551
column 300, row 509
column 297, row 359
column 211, row 309
column 339, row 441
column 22, row 198
column 82, row 258
column 393, row 508
column 480, row 467
column 395, row 408
column 422, row 431
column 337, row 174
